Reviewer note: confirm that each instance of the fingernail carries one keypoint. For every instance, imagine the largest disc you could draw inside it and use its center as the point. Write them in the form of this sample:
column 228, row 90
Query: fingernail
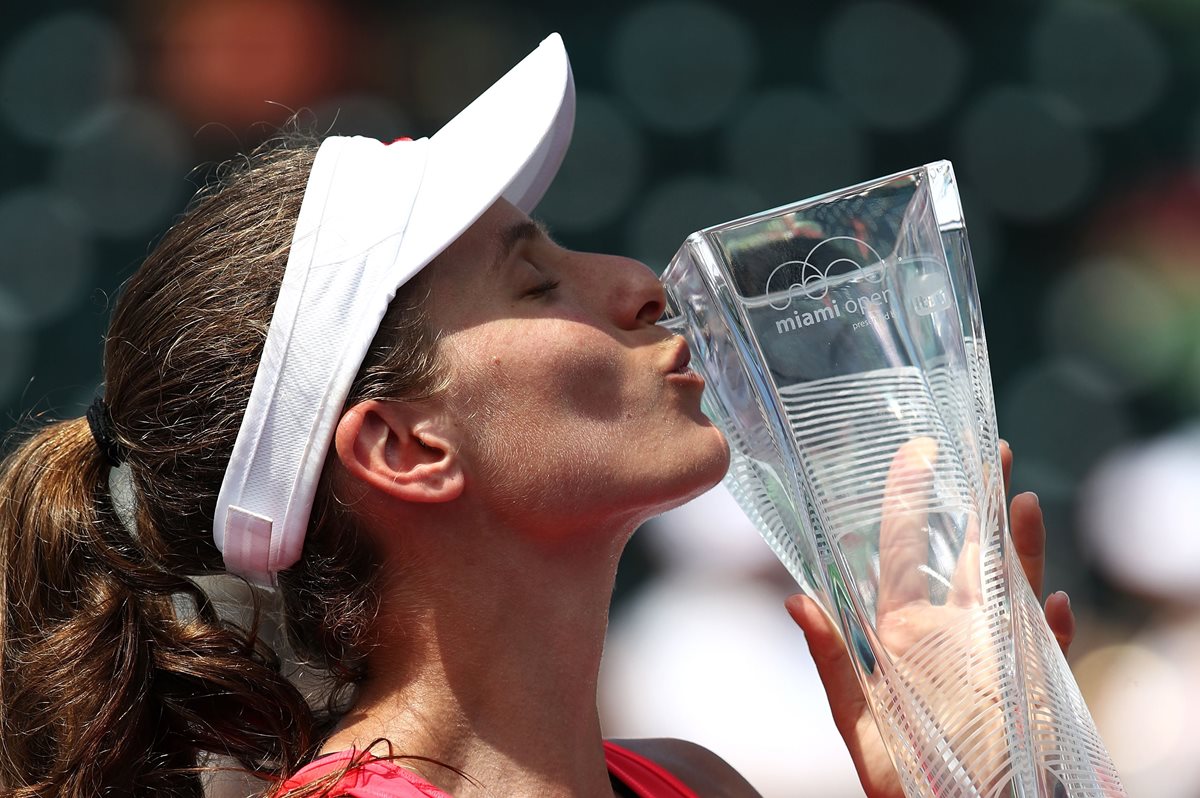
column 1004, row 442
column 1066, row 598
column 1036, row 500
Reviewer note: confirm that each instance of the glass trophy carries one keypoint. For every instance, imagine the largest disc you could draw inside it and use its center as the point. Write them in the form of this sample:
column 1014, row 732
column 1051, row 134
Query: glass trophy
column 843, row 348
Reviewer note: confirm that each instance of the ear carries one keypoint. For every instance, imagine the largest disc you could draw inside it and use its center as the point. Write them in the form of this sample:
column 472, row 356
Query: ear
column 400, row 449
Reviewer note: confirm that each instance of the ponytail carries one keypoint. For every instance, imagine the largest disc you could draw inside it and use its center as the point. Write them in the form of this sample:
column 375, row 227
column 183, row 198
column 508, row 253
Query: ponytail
column 103, row 689
column 117, row 676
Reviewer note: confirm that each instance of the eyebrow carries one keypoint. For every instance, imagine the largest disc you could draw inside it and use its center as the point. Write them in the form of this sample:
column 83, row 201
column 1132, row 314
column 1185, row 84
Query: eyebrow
column 510, row 237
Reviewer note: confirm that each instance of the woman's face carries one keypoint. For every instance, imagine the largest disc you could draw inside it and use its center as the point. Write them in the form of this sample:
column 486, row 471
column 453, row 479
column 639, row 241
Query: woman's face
column 573, row 408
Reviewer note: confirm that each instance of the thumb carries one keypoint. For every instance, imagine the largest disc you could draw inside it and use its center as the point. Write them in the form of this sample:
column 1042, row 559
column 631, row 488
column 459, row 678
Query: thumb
column 846, row 699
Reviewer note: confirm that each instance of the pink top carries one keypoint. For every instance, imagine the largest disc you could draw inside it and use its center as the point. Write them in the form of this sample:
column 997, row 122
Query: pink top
column 374, row 778
column 383, row 778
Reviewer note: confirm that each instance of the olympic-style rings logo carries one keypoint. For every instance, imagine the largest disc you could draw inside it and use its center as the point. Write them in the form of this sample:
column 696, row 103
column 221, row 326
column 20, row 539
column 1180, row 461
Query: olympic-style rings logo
column 814, row 280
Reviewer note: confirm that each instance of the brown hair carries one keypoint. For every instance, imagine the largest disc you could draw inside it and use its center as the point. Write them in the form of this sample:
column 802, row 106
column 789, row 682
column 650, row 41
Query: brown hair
column 117, row 674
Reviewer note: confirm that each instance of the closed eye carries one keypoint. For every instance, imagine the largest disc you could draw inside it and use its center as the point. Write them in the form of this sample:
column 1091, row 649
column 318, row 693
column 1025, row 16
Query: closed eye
column 542, row 288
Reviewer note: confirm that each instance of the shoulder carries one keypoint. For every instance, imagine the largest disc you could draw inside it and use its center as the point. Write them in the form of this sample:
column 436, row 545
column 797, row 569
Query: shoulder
column 707, row 774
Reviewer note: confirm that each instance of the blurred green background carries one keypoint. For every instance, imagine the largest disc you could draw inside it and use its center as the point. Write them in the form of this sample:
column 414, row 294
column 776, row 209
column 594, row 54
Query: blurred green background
column 1074, row 128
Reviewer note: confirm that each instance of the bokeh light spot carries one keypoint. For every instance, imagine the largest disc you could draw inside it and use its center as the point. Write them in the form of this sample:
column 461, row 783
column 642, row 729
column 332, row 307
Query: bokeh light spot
column 1060, row 417
column 1140, row 683
column 1158, row 553
column 790, row 144
column 677, row 208
column 61, row 72
column 682, row 64
column 1099, row 57
column 1120, row 320
column 239, row 63
column 458, row 56
column 897, row 65
column 48, row 260
column 1025, row 154
column 602, row 169
column 126, row 170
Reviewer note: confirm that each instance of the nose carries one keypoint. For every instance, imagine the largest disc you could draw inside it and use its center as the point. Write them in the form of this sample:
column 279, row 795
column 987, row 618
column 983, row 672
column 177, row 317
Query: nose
column 636, row 297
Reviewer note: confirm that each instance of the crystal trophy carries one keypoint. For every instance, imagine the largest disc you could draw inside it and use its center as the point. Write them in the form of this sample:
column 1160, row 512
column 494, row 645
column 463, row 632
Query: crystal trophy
column 843, row 348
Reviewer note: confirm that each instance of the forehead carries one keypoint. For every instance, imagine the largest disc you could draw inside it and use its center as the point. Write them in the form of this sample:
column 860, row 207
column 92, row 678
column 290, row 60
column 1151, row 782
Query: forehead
column 477, row 248
column 462, row 281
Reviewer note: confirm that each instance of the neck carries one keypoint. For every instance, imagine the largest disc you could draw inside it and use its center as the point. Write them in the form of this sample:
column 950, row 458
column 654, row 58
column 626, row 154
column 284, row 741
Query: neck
column 492, row 670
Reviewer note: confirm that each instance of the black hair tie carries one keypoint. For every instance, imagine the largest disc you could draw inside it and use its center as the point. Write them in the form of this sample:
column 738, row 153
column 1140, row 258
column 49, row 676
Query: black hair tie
column 100, row 421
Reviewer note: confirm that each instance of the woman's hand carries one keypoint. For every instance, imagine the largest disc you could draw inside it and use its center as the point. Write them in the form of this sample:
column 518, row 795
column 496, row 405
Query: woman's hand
column 850, row 711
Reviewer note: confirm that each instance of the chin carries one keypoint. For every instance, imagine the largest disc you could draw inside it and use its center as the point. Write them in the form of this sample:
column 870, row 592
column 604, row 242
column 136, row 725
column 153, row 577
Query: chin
column 705, row 465
column 720, row 456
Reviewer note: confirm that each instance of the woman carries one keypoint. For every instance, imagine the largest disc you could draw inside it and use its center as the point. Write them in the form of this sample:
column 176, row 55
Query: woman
column 437, row 468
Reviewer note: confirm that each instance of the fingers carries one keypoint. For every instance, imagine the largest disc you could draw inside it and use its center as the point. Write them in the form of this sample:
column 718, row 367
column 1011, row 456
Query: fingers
column 846, row 700
column 1061, row 619
column 1028, row 530
column 903, row 530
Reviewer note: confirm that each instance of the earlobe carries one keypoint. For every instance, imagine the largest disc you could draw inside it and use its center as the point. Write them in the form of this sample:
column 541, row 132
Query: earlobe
column 399, row 449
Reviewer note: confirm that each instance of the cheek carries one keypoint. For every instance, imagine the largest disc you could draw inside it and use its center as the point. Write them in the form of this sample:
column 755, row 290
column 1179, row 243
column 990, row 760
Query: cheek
column 556, row 374
column 542, row 408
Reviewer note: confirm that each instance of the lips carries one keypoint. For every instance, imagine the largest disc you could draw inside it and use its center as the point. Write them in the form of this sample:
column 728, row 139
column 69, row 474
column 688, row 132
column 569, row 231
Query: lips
column 679, row 371
column 683, row 356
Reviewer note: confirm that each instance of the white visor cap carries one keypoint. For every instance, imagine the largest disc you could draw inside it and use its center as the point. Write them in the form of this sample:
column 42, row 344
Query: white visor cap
column 373, row 215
